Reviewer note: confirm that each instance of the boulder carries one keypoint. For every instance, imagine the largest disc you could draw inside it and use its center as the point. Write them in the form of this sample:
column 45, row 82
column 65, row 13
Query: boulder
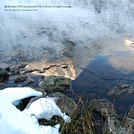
column 113, row 123
column 65, row 103
column 14, row 70
column 103, row 107
column 3, row 74
column 121, row 91
column 20, row 78
column 56, row 83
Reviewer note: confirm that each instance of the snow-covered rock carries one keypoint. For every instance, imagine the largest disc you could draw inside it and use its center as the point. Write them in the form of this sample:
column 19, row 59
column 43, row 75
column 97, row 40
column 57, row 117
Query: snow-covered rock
column 45, row 108
column 13, row 121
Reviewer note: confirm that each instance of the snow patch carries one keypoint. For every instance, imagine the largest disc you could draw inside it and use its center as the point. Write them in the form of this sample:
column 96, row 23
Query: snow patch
column 13, row 121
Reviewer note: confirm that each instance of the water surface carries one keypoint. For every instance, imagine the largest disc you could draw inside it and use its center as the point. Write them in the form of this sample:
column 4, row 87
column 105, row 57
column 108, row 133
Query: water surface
column 94, row 34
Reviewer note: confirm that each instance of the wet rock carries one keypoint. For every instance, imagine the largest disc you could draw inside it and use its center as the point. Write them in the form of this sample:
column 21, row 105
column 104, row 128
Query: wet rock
column 41, row 80
column 14, row 70
column 1, row 84
column 22, row 65
column 68, row 43
column 68, row 53
column 121, row 91
column 39, row 71
column 20, row 78
column 7, row 69
column 28, row 71
column 29, row 80
column 3, row 74
column 65, row 104
column 120, row 124
column 113, row 123
column 131, row 113
column 103, row 107
column 56, row 83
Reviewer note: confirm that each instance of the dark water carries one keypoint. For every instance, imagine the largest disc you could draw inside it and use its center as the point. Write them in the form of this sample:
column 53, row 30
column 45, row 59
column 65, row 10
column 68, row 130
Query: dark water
column 91, row 86
column 97, row 35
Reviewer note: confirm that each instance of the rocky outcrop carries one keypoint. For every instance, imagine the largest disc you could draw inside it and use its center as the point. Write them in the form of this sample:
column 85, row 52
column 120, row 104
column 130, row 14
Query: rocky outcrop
column 22, row 65
column 14, row 70
column 103, row 107
column 113, row 123
column 121, row 91
column 65, row 104
column 120, row 124
column 56, row 83
column 3, row 74
column 20, row 78
column 131, row 113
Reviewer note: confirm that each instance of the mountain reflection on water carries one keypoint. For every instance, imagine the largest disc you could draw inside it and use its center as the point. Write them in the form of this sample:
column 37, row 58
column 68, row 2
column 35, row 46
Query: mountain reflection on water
column 91, row 86
column 97, row 32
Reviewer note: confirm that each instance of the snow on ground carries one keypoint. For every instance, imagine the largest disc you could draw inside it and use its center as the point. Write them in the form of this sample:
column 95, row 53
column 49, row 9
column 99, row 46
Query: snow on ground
column 13, row 121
